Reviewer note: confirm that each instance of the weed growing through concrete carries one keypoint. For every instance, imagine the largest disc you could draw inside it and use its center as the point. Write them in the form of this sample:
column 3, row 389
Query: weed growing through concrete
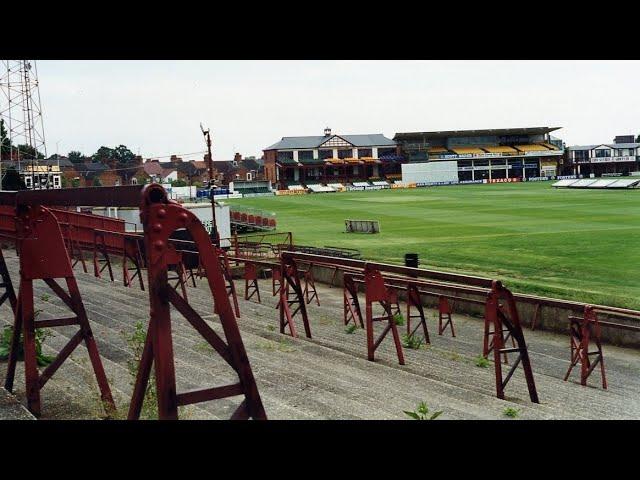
column 481, row 362
column 351, row 328
column 422, row 413
column 271, row 328
column 204, row 347
column 412, row 341
column 398, row 319
column 511, row 412
column 41, row 336
column 135, row 342
column 281, row 346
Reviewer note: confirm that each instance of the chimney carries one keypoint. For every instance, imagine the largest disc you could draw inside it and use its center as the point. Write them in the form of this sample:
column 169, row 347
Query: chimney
column 237, row 157
column 327, row 132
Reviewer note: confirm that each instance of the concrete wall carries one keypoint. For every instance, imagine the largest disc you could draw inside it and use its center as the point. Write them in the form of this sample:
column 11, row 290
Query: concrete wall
column 549, row 319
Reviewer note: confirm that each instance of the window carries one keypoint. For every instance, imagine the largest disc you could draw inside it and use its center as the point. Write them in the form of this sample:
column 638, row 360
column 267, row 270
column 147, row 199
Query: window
column 386, row 152
column 365, row 152
column 283, row 156
column 581, row 155
column 323, row 154
column 305, row 155
column 603, row 153
column 249, row 176
column 134, row 181
column 345, row 153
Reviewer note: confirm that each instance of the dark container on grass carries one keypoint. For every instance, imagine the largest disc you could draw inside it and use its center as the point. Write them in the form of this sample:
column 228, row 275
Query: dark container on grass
column 411, row 260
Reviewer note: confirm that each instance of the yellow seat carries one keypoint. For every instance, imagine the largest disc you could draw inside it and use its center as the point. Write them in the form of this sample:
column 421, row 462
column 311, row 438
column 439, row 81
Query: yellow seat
column 500, row 149
column 532, row 148
column 467, row 150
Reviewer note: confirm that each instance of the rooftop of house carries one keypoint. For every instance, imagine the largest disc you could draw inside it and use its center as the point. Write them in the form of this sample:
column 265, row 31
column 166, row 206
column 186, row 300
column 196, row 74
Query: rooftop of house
column 316, row 141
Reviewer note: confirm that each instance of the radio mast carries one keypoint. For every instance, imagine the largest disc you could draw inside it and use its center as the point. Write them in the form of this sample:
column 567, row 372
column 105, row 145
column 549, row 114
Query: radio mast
column 21, row 110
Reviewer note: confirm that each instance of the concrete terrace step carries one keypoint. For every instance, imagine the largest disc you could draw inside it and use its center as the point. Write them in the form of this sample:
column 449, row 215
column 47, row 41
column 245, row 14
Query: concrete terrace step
column 327, row 376
column 11, row 408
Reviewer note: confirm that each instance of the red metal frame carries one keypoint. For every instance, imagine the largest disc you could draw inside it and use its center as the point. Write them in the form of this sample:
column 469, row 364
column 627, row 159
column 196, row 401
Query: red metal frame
column 507, row 319
column 161, row 218
column 582, row 331
column 310, row 291
column 291, row 296
column 43, row 256
column 9, row 292
column 377, row 292
column 352, row 312
column 444, row 313
column 251, row 281
column 414, row 301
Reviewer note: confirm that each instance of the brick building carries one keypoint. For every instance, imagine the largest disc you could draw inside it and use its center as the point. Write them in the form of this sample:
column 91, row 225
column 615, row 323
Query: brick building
column 331, row 158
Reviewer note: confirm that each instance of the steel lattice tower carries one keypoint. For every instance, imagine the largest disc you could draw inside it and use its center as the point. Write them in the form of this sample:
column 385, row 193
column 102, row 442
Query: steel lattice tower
column 20, row 108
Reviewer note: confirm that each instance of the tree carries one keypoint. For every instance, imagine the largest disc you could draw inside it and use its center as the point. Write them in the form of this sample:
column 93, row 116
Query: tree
column 75, row 156
column 12, row 180
column 97, row 182
column 638, row 139
column 178, row 183
column 75, row 183
column 27, row 152
column 121, row 155
column 124, row 156
column 103, row 154
column 5, row 142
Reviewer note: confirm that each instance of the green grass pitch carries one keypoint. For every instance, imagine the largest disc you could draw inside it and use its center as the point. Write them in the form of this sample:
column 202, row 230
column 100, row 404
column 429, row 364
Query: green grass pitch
column 575, row 244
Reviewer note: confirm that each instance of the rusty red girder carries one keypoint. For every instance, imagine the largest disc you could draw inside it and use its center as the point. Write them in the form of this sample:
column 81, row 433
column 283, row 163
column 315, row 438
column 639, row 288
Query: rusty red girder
column 251, row 281
column 43, row 256
column 291, row 301
column 582, row 331
column 161, row 218
column 377, row 293
column 36, row 230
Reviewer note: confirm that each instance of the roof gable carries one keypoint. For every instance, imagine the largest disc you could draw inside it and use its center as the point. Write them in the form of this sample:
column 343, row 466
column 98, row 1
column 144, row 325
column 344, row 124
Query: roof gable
column 336, row 141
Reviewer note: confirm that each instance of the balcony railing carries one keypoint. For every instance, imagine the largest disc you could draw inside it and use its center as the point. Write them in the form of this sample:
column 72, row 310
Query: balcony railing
column 453, row 156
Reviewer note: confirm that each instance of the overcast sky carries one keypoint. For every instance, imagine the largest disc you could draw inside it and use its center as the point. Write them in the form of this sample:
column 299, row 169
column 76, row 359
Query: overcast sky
column 155, row 107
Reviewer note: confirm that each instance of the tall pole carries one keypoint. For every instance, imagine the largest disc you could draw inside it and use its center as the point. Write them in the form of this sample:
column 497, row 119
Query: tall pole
column 215, row 236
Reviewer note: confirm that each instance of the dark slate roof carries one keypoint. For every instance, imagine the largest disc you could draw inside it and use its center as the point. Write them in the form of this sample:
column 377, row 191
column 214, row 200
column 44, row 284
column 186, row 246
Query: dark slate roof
column 64, row 162
column 372, row 140
column 473, row 133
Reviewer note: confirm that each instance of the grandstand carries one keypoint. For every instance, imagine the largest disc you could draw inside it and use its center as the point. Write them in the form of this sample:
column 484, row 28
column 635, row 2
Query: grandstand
column 484, row 155
column 251, row 188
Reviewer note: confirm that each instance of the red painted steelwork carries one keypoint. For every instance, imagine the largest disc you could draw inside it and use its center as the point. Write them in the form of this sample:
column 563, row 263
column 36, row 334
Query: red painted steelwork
column 43, row 256
column 582, row 331
column 291, row 303
column 161, row 218
column 377, row 292
column 251, row 281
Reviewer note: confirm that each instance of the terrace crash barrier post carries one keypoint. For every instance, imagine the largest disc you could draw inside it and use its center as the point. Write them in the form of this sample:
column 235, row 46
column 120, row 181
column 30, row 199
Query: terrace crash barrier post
column 43, row 256
column 582, row 331
column 161, row 218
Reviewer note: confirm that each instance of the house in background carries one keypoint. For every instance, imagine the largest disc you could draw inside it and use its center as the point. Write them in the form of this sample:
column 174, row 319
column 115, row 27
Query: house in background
column 618, row 158
column 331, row 158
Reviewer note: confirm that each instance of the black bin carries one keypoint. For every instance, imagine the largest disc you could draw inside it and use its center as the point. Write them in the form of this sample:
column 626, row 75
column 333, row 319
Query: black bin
column 411, row 260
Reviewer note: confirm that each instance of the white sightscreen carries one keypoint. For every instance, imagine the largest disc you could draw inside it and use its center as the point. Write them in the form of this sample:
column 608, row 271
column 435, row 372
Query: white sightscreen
column 430, row 172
